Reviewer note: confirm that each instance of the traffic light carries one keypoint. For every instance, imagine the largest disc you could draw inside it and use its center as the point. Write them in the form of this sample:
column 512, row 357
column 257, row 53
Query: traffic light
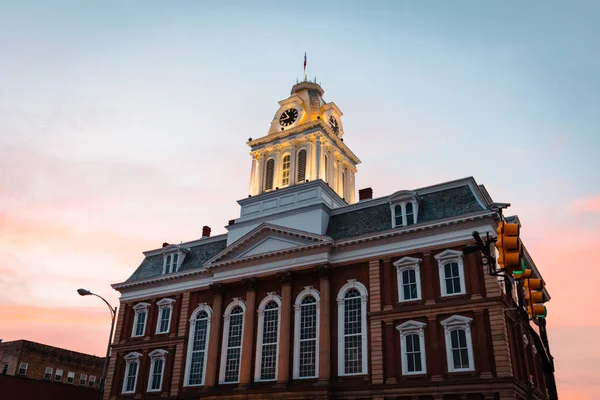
column 525, row 274
column 534, row 296
column 509, row 248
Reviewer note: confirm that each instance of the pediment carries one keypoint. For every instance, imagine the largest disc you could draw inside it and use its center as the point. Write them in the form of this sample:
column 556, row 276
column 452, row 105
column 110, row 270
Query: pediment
column 268, row 240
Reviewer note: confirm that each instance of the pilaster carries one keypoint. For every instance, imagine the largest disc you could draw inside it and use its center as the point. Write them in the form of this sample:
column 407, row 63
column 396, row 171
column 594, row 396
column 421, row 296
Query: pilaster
column 248, row 335
column 283, row 372
column 183, row 316
column 324, row 273
column 119, row 334
column 213, row 340
column 500, row 343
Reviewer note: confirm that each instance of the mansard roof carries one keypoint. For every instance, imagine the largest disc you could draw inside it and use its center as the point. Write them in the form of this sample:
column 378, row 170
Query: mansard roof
column 200, row 251
column 438, row 202
column 435, row 205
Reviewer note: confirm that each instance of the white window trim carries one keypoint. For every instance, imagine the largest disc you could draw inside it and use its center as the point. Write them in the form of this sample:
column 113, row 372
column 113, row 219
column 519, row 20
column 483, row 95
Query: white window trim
column 162, row 304
column 158, row 354
column 308, row 291
column 23, row 365
column 70, row 375
column 92, row 381
column 140, row 308
column 451, row 324
column 188, row 365
column 84, row 377
column 449, row 256
column 227, row 316
column 402, row 265
column 46, row 372
column 402, row 205
column 410, row 328
column 271, row 296
column 352, row 284
column 131, row 358
column 57, row 374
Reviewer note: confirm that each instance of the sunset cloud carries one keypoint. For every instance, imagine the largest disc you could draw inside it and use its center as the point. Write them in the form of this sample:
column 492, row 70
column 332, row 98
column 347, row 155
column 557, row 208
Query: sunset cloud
column 586, row 205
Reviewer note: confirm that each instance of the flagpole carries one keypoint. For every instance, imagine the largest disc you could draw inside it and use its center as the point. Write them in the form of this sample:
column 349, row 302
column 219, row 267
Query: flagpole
column 304, row 66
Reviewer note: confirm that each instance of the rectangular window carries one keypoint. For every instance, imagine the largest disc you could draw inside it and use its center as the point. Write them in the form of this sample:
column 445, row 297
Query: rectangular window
column 92, row 381
column 140, row 323
column 58, row 375
column 285, row 172
column 48, row 374
column 165, row 320
column 413, row 354
column 175, row 262
column 452, row 278
column 70, row 377
column 460, row 353
column 409, row 284
column 82, row 379
column 130, row 377
column 23, row 369
column 4, row 369
column 156, row 375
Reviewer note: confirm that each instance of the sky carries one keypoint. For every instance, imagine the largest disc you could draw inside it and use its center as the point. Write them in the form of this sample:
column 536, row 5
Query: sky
column 123, row 125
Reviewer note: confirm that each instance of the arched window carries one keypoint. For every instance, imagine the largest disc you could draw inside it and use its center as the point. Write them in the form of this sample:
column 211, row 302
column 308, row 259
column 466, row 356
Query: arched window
column 267, row 349
column 306, row 334
column 352, row 329
column 285, row 171
column 410, row 215
column 301, row 168
column 459, row 347
column 231, row 353
column 195, row 368
column 269, row 174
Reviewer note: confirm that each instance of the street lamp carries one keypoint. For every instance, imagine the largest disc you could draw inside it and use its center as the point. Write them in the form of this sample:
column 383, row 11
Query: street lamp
column 113, row 312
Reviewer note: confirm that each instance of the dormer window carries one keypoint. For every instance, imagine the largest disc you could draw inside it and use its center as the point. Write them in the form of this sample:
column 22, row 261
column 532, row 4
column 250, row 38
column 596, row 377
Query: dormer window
column 405, row 208
column 173, row 256
column 171, row 262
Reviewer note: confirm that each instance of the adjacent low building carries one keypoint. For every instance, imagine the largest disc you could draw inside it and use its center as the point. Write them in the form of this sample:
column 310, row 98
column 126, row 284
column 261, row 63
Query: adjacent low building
column 42, row 362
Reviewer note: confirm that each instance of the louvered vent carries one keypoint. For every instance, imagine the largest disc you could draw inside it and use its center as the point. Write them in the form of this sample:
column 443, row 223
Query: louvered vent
column 301, row 165
column 270, row 171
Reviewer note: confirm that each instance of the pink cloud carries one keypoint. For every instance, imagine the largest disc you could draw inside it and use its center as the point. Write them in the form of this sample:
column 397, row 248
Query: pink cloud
column 585, row 205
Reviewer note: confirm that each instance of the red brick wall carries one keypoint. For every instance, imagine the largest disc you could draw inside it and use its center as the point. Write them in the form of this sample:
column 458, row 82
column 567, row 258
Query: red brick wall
column 18, row 388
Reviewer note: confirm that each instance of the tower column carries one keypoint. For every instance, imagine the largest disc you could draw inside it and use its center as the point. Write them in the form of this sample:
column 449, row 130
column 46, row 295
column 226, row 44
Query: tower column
column 317, row 173
column 252, row 189
column 309, row 158
column 259, row 173
column 293, row 162
column 277, row 168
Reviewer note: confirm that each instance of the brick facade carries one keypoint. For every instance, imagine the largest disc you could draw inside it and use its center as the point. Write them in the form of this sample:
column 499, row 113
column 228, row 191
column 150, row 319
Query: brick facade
column 503, row 364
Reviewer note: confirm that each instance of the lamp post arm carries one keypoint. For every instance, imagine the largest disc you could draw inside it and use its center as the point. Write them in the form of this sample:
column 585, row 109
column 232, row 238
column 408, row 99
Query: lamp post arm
column 112, row 311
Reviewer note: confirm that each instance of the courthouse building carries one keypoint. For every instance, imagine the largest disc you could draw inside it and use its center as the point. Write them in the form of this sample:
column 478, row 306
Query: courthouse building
column 319, row 292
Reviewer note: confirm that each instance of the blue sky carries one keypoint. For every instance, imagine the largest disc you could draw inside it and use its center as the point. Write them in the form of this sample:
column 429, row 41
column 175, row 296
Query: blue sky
column 123, row 124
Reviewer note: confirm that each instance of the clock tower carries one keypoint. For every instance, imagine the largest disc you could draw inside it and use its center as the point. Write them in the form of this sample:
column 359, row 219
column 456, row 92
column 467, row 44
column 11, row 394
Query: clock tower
column 304, row 143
